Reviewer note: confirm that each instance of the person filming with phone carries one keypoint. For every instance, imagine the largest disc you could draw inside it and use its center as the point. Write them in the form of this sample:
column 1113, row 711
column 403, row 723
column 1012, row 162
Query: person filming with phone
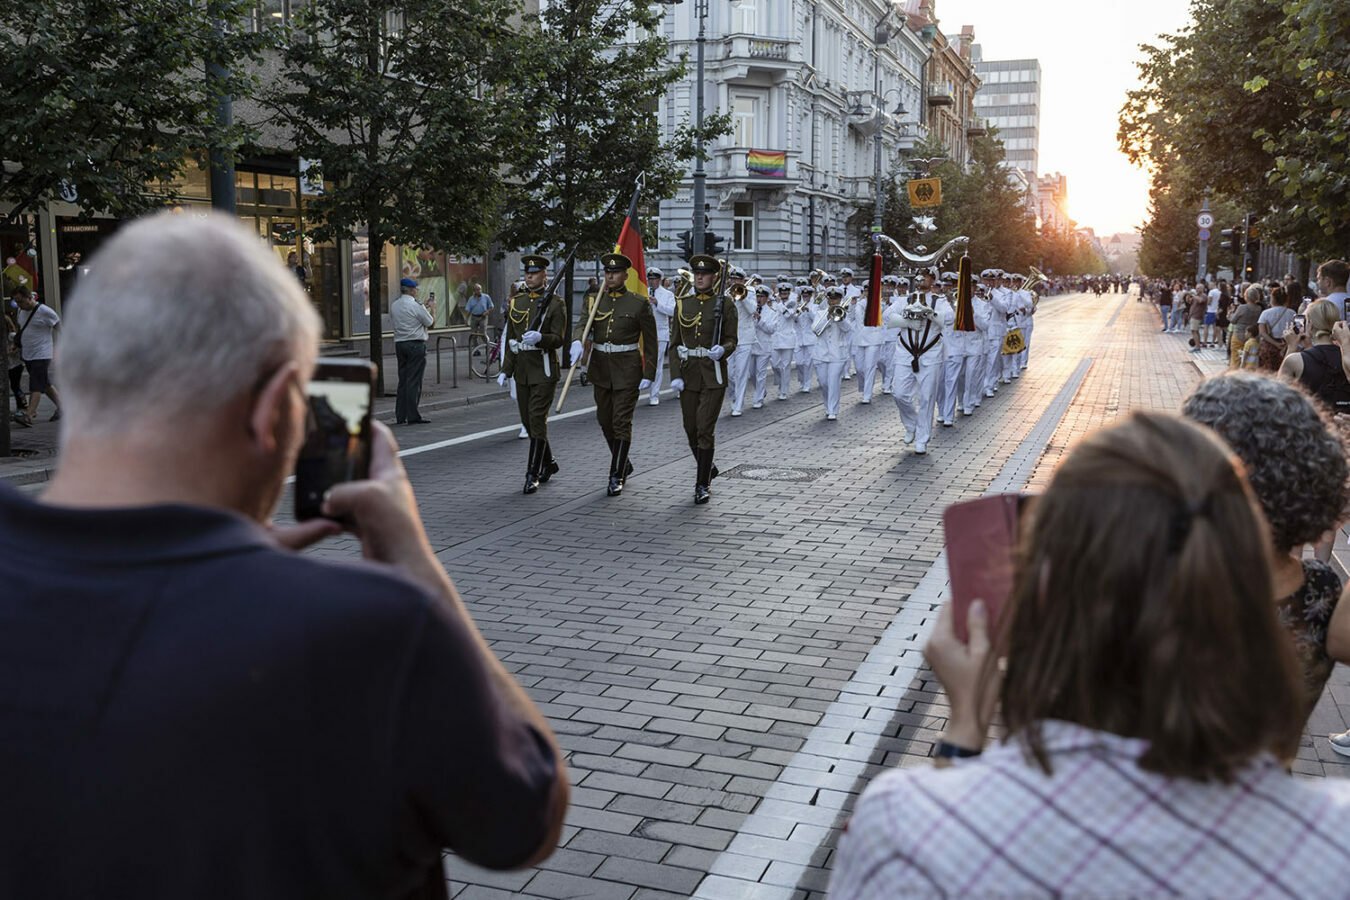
column 194, row 709
column 1152, row 701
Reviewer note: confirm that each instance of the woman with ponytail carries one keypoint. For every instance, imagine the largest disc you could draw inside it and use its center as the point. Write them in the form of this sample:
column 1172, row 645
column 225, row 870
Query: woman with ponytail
column 1151, row 698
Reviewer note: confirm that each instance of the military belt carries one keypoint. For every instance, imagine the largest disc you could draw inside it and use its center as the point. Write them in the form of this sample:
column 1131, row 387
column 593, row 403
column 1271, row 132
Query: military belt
column 686, row 352
column 614, row 348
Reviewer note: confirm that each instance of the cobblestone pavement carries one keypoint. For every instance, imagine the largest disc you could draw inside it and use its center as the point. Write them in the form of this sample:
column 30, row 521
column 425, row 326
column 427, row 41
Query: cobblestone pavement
column 726, row 678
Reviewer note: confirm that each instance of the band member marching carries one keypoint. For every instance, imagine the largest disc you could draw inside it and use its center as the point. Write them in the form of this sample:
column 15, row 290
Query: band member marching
column 622, row 363
column 766, row 323
column 832, row 327
column 663, row 304
column 703, row 336
column 535, row 325
column 919, row 363
column 807, row 307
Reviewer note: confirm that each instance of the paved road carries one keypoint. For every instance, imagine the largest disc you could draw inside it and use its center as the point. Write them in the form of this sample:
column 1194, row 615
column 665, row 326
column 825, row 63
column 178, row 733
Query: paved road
column 726, row 678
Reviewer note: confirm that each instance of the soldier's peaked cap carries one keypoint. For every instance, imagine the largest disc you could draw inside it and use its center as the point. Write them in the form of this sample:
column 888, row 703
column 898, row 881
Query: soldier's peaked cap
column 615, row 262
column 704, row 264
column 533, row 262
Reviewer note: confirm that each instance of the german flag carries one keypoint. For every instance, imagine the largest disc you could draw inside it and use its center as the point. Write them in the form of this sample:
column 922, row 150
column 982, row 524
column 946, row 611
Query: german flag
column 872, row 318
column 630, row 245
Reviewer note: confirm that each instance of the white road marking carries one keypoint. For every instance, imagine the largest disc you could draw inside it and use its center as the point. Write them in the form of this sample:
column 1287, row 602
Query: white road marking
column 798, row 809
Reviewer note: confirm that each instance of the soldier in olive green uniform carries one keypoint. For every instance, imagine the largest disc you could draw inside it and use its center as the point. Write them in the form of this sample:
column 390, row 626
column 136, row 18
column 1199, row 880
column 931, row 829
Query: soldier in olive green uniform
column 535, row 326
column 622, row 363
column 702, row 338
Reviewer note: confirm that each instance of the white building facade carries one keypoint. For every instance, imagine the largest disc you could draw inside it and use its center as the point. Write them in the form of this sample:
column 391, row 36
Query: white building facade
column 797, row 78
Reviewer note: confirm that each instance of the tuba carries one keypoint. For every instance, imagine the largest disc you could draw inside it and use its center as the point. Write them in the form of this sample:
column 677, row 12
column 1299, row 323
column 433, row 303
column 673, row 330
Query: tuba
column 1036, row 277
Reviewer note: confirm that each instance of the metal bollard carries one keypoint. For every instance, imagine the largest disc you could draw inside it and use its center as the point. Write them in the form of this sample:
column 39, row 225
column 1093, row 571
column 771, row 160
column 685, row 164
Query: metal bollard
column 454, row 359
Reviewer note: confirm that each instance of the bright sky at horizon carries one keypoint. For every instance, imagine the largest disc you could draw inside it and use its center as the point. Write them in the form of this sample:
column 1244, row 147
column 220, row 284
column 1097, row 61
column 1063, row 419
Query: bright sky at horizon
column 1087, row 50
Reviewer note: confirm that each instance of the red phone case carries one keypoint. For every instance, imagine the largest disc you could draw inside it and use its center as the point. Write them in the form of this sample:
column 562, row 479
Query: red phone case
column 981, row 536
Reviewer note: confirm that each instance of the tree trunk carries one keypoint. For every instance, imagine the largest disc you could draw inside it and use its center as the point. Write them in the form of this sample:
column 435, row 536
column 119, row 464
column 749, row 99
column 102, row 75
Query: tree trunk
column 4, row 367
column 376, row 309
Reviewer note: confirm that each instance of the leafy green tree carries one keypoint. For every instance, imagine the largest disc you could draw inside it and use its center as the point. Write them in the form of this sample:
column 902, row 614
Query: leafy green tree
column 980, row 202
column 403, row 106
column 109, row 98
column 593, row 72
column 1261, row 125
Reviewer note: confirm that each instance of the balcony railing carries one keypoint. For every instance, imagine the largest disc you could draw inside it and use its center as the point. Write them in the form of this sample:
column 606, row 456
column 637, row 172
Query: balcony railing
column 941, row 95
column 976, row 127
column 743, row 46
column 748, row 164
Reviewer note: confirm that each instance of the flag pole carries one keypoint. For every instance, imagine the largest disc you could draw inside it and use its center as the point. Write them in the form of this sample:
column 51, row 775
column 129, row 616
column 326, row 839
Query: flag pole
column 590, row 319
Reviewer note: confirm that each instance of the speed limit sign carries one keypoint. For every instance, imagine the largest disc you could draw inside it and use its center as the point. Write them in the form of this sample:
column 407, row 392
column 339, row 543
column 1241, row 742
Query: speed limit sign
column 1205, row 220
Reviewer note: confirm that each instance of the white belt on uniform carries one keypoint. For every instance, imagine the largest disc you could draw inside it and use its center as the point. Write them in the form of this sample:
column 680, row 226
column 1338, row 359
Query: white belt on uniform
column 522, row 347
column 699, row 352
column 614, row 348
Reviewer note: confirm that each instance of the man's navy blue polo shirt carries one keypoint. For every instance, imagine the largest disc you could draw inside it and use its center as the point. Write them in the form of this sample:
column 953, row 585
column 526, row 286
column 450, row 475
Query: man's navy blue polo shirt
column 187, row 711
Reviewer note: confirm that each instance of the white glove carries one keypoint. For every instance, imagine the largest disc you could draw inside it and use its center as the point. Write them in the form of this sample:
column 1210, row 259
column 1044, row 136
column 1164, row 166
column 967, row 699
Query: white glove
column 530, row 338
column 716, row 352
column 644, row 384
column 501, row 379
column 677, row 385
column 576, row 352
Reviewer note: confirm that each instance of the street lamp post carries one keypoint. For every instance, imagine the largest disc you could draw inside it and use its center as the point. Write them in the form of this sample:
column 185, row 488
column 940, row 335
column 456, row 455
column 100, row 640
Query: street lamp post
column 700, row 175
column 880, row 37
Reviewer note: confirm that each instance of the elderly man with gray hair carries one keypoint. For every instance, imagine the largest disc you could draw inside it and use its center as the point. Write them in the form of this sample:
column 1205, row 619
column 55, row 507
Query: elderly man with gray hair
column 192, row 708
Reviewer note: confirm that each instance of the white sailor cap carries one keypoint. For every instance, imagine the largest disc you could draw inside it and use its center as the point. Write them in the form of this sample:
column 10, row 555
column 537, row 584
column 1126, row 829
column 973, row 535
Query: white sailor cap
column 784, row 285
column 827, row 279
column 845, row 271
column 762, row 289
column 806, row 289
column 653, row 270
column 801, row 281
column 735, row 272
column 835, row 291
column 755, row 279
column 950, row 277
column 990, row 273
column 1014, row 276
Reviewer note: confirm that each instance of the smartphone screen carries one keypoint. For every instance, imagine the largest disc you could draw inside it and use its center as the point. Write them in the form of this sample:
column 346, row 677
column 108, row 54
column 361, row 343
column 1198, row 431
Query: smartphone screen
column 981, row 538
column 1300, row 324
column 337, row 437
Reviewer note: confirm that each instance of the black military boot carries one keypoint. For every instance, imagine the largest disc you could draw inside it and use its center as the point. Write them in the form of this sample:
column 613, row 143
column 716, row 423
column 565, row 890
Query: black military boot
column 550, row 466
column 532, row 467
column 619, row 468
column 702, row 492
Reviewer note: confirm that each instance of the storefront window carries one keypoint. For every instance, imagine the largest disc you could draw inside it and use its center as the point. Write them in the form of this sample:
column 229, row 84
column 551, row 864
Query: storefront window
column 447, row 277
column 18, row 257
column 76, row 242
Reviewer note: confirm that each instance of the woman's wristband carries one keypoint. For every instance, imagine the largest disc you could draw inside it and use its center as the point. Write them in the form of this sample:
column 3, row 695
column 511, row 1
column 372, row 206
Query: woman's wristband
column 947, row 750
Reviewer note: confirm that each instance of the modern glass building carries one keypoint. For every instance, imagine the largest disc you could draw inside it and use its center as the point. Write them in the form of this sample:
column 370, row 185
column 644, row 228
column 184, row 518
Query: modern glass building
column 1009, row 99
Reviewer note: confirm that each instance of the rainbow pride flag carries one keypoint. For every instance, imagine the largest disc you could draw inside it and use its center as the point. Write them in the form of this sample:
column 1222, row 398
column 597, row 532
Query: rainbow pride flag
column 771, row 163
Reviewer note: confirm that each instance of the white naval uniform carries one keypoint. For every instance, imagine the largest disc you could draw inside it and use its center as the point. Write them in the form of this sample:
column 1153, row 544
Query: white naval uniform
column 1000, row 302
column 965, row 363
column 784, row 342
column 886, row 360
column 946, row 393
column 806, row 344
column 664, row 309
column 916, row 392
column 867, row 345
column 765, row 327
column 851, row 293
column 1028, row 323
column 831, row 356
column 1016, row 315
column 738, row 364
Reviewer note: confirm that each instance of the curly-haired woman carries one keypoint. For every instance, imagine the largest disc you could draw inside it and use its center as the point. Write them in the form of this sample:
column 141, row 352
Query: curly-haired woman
column 1297, row 468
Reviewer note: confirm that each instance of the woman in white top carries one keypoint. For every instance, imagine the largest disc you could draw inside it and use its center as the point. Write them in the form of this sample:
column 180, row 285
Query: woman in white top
column 1151, row 697
column 1272, row 324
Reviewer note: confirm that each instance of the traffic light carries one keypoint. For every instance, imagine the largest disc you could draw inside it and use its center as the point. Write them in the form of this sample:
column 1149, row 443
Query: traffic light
column 686, row 244
column 1230, row 242
column 712, row 244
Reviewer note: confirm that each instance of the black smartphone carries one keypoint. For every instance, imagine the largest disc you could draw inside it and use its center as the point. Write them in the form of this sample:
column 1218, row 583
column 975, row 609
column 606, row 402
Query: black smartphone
column 337, row 437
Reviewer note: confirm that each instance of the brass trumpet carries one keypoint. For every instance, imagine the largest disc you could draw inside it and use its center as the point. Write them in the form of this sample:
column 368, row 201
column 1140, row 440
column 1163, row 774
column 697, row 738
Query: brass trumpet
column 737, row 292
column 1036, row 277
